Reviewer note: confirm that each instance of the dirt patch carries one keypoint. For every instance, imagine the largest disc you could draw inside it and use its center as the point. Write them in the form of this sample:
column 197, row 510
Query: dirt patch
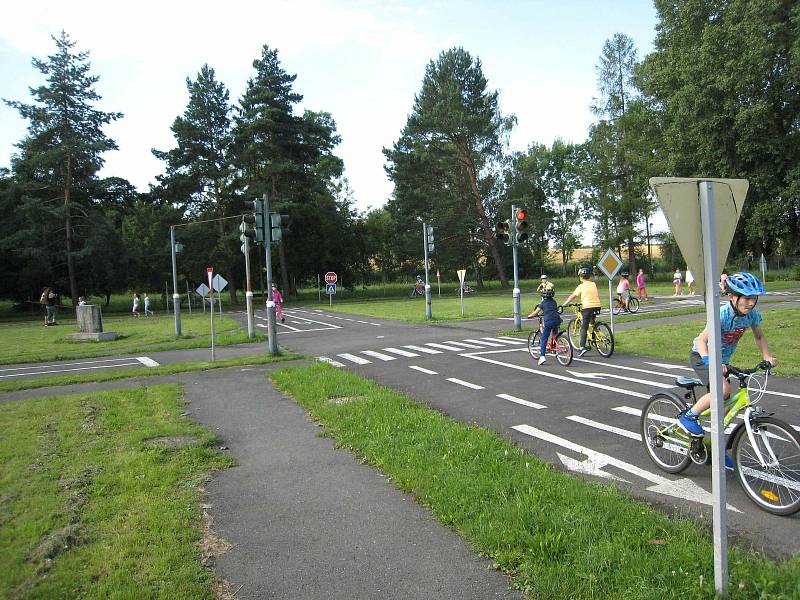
column 171, row 441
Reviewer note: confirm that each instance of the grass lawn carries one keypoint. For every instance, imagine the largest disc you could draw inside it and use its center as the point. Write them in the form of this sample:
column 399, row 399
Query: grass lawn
column 674, row 341
column 92, row 506
column 555, row 535
column 33, row 342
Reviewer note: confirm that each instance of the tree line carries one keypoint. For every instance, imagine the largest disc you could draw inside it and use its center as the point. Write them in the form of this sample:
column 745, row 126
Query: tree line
column 698, row 105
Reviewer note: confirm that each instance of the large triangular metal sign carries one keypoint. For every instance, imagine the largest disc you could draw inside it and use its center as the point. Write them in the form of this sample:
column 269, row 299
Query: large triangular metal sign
column 679, row 198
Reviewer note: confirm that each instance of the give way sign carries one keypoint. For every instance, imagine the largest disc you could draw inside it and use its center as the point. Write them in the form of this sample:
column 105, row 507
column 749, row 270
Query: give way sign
column 330, row 277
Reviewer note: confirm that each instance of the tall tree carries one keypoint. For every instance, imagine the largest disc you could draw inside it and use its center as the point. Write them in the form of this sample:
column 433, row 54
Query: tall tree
column 453, row 135
column 62, row 151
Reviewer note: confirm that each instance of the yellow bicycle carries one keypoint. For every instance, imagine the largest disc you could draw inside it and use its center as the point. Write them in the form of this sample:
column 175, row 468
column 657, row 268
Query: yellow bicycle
column 598, row 334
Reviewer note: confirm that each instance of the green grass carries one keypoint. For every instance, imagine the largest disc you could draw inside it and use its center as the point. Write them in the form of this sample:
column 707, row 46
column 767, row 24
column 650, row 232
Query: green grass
column 90, row 509
column 115, row 374
column 556, row 536
column 33, row 342
column 674, row 341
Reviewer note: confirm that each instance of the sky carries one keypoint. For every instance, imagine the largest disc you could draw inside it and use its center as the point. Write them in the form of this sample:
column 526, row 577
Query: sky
column 362, row 61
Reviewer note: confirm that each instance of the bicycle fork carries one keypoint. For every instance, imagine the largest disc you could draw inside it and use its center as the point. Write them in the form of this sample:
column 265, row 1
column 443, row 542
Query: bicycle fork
column 773, row 462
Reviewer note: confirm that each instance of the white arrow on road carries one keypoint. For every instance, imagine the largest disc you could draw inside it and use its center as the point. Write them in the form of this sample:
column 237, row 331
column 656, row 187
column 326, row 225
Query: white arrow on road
column 588, row 467
column 666, row 366
column 615, row 376
column 683, row 488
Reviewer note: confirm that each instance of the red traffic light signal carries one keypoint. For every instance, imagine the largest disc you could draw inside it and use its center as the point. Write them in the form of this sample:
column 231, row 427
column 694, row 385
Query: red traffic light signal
column 521, row 214
column 520, row 226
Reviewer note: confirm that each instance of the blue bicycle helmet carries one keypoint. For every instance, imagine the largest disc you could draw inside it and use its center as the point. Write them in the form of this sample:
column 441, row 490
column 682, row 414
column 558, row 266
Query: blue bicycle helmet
column 744, row 284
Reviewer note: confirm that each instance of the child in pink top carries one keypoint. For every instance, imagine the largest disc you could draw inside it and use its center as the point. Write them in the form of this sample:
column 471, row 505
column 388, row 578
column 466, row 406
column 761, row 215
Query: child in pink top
column 641, row 289
column 278, row 300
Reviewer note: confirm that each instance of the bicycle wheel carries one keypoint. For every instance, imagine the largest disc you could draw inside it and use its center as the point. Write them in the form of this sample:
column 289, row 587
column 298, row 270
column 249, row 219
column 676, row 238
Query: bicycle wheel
column 563, row 349
column 534, row 340
column 776, row 487
column 633, row 305
column 666, row 443
column 603, row 339
column 574, row 332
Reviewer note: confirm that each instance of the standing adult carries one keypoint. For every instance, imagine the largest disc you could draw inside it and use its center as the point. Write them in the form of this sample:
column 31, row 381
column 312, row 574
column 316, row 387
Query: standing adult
column 676, row 281
column 689, row 281
column 641, row 286
column 278, row 300
column 147, row 311
column 136, row 302
column 49, row 300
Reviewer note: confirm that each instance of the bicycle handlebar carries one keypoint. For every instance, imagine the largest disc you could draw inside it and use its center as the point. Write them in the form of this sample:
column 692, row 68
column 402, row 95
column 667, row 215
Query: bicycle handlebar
column 743, row 374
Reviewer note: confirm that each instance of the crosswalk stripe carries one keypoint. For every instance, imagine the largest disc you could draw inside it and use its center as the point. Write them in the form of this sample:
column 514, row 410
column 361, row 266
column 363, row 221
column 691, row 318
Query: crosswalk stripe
column 330, row 361
column 423, row 350
column 484, row 342
column 473, row 386
column 444, row 346
column 422, row 370
column 520, row 401
column 356, row 359
column 464, row 344
column 400, row 352
column 378, row 355
column 610, row 428
column 505, row 340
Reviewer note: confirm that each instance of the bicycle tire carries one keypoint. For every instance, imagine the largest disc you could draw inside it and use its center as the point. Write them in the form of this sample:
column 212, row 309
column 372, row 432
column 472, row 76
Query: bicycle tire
column 603, row 340
column 563, row 349
column 574, row 331
column 633, row 305
column 659, row 411
column 774, row 489
column 534, row 340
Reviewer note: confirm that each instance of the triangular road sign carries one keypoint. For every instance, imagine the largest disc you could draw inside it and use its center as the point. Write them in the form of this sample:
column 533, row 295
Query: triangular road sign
column 679, row 198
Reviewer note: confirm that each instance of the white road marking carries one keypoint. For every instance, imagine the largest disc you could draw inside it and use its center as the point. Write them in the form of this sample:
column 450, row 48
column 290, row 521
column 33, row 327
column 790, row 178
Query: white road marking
column 279, row 324
column 633, row 379
column 356, row 359
column 422, row 370
column 127, row 364
column 521, row 401
column 378, row 355
column 681, row 488
column 473, row 386
column 400, row 352
column 666, row 366
column 552, row 375
column 443, row 347
column 505, row 340
column 484, row 342
column 602, row 426
column 146, row 361
column 422, row 349
column 74, row 364
column 330, row 361
column 463, row 344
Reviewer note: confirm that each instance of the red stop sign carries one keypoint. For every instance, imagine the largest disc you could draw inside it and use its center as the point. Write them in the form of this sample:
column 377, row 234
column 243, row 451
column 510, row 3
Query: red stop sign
column 330, row 277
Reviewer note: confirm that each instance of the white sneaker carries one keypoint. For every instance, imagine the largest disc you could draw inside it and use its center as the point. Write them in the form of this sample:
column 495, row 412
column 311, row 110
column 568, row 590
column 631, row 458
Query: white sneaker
column 582, row 351
column 542, row 360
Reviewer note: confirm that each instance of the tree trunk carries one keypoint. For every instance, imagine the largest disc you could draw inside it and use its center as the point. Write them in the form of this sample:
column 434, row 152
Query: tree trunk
column 73, row 282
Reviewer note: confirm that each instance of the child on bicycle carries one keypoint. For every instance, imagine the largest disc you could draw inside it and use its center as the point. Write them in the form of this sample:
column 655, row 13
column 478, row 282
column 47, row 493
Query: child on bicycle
column 545, row 284
column 624, row 289
column 590, row 301
column 548, row 309
column 743, row 290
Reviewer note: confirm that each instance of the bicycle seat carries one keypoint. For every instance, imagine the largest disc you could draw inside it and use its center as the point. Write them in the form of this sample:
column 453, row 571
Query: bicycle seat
column 687, row 382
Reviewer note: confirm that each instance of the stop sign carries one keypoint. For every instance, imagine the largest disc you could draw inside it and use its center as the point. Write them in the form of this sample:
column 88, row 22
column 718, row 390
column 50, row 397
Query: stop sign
column 330, row 277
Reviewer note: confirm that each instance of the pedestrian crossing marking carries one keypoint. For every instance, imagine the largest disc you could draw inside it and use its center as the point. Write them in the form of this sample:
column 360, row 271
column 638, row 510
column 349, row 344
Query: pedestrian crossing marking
column 356, row 359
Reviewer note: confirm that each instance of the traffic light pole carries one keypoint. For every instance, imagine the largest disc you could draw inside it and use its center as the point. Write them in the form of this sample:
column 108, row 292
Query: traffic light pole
column 428, row 313
column 251, row 329
column 271, row 334
column 515, row 246
column 176, row 297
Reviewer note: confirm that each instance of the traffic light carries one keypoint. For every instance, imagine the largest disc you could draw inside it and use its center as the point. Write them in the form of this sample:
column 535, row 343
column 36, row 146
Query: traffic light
column 279, row 225
column 501, row 232
column 254, row 222
column 430, row 238
column 521, row 225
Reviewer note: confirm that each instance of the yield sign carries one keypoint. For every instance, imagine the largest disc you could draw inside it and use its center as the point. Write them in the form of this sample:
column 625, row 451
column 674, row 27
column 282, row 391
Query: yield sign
column 679, row 198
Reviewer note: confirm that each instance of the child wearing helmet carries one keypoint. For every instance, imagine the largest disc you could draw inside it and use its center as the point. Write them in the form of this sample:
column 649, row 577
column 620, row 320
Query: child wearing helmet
column 624, row 289
column 551, row 319
column 739, row 313
column 590, row 301
column 545, row 284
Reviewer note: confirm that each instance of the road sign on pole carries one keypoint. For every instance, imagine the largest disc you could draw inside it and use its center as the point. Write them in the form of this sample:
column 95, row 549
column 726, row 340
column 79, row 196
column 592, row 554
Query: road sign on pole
column 331, row 277
column 702, row 215
column 610, row 265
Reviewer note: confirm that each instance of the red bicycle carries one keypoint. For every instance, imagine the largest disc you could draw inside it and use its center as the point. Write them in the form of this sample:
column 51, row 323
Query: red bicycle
column 558, row 344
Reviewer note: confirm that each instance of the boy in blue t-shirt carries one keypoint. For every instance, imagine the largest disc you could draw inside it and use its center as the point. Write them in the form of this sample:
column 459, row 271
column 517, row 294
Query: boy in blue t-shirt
column 548, row 308
column 743, row 290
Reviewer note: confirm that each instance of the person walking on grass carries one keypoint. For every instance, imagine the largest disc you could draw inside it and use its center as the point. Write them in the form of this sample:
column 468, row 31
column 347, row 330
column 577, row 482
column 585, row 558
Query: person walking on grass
column 689, row 282
column 641, row 286
column 676, row 281
column 147, row 311
column 135, row 310
column 590, row 304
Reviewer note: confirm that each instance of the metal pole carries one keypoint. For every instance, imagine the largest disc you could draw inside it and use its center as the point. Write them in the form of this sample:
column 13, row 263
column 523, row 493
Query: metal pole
column 513, row 233
column 427, row 284
column 611, row 306
column 251, row 329
column 188, row 297
column 212, row 325
column 272, row 336
column 176, row 297
column 720, row 517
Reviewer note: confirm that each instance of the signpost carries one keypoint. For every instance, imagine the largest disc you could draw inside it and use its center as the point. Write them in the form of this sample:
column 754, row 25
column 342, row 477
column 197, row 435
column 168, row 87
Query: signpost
column 461, row 274
column 763, row 264
column 610, row 265
column 210, row 273
column 331, row 277
column 702, row 215
column 330, row 285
